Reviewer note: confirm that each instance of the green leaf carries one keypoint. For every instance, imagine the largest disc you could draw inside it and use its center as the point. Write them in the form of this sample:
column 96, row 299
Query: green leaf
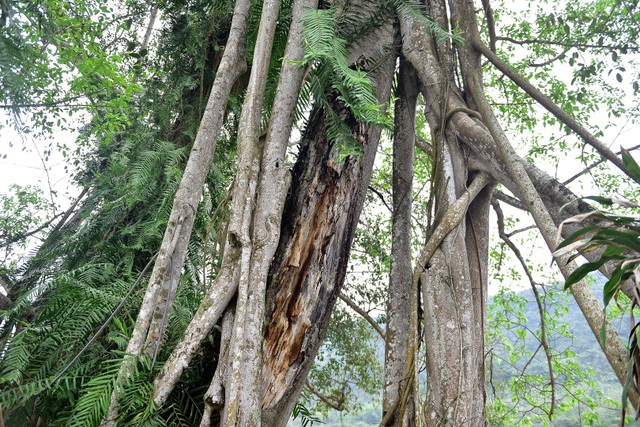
column 628, row 238
column 580, row 272
column 602, row 200
column 612, row 285
column 576, row 235
column 631, row 164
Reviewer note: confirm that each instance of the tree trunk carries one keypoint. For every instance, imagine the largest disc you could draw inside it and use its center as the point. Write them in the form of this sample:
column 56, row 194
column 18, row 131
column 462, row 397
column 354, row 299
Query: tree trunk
column 448, row 113
column 309, row 264
column 400, row 382
column 309, row 267
column 455, row 277
column 167, row 270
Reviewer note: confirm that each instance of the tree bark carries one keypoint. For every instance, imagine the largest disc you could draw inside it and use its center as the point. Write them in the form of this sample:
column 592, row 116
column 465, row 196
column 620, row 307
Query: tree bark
column 242, row 389
column 455, row 272
column 163, row 283
column 400, row 382
column 592, row 310
column 273, row 186
column 319, row 222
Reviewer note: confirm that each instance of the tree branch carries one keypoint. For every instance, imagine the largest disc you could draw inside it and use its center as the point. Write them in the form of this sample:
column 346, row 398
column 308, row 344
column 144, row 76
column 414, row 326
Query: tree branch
column 364, row 314
column 451, row 219
column 424, row 146
column 566, row 44
column 550, row 61
column 591, row 166
column 13, row 239
column 491, row 24
column 549, row 105
column 543, row 326
column 381, row 196
column 499, row 195
column 54, row 103
column 338, row 406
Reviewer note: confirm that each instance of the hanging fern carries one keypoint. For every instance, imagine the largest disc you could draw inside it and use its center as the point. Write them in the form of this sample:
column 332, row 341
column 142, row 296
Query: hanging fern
column 326, row 53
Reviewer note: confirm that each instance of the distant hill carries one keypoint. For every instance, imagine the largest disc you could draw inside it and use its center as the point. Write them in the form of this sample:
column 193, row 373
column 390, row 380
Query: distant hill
column 588, row 355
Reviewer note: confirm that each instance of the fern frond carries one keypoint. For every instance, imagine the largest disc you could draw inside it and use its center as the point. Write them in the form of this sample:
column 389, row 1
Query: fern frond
column 96, row 398
column 415, row 9
column 328, row 56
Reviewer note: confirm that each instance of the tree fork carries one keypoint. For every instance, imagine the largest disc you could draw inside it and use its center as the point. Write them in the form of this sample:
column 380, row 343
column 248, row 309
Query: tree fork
column 589, row 305
column 548, row 104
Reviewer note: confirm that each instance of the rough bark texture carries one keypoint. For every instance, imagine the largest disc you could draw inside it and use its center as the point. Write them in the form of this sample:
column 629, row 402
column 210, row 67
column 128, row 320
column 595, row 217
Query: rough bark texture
column 272, row 190
column 162, row 286
column 309, row 267
column 453, row 295
column 400, row 344
column 243, row 394
column 589, row 305
column 307, row 239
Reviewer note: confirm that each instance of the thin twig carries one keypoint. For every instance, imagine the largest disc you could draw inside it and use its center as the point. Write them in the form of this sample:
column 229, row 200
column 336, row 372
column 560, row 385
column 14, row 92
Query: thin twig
column 54, row 103
column 364, row 314
column 381, row 196
column 593, row 165
column 512, row 201
column 567, row 44
column 552, row 60
column 521, row 230
column 338, row 406
column 543, row 327
column 13, row 239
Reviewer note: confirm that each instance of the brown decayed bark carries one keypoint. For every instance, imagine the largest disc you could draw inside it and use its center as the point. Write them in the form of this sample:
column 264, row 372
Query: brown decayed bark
column 305, row 298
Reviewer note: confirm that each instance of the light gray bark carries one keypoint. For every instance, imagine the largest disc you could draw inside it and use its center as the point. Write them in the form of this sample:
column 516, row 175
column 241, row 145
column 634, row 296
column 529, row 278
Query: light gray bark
column 214, row 397
column 243, row 391
column 589, row 305
column 273, row 187
column 453, row 294
column 400, row 382
column 162, row 285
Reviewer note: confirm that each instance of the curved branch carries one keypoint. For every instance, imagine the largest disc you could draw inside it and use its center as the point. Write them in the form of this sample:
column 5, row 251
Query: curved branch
column 549, row 105
column 566, row 44
column 363, row 313
column 550, row 61
column 454, row 215
column 543, row 326
column 424, row 146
